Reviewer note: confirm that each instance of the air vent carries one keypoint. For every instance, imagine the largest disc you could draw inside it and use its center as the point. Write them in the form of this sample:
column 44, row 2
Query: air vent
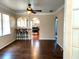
column 50, row 10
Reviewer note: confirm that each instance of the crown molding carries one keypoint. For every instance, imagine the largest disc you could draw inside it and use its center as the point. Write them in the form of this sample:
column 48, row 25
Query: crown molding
column 7, row 10
column 22, row 14
column 59, row 9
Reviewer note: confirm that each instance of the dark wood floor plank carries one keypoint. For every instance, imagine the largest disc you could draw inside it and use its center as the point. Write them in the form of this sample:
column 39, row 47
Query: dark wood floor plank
column 37, row 49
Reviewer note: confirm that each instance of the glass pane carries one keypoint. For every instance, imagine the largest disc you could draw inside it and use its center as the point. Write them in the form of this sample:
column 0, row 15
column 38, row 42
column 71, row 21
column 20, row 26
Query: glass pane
column 75, row 37
column 21, row 22
column 75, row 53
column 0, row 26
column 18, row 23
column 24, row 23
column 30, row 24
column 75, row 4
column 75, row 19
column 6, row 24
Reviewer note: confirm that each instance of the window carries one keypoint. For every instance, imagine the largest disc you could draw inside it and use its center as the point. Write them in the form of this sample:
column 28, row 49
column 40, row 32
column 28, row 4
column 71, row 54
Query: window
column 75, row 4
column 75, row 19
column 22, row 22
column 0, row 26
column 4, row 24
column 75, row 33
column 75, row 29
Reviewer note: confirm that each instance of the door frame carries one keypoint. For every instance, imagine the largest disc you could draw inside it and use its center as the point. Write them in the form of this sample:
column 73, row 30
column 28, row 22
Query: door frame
column 67, row 39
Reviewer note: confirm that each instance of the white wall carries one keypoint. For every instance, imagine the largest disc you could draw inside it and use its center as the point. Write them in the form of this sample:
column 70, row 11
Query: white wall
column 46, row 26
column 60, row 14
column 7, row 39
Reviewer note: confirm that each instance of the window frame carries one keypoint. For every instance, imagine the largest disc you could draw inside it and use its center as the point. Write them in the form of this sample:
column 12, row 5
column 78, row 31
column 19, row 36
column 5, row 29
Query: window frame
column 3, row 23
column 7, row 23
column 28, row 23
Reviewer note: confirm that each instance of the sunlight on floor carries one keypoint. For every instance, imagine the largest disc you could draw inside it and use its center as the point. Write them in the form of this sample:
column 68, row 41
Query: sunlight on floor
column 7, row 55
column 35, row 43
column 35, row 48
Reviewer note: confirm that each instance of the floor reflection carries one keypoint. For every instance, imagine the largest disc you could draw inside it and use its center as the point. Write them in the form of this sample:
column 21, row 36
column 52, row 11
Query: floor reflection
column 35, row 43
column 35, row 48
column 7, row 55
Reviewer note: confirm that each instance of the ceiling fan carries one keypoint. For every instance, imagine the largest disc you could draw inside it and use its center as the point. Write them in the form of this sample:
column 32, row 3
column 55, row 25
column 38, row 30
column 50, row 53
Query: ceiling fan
column 30, row 10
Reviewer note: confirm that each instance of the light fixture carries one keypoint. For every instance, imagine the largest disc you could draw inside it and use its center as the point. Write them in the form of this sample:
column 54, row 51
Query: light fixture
column 29, row 9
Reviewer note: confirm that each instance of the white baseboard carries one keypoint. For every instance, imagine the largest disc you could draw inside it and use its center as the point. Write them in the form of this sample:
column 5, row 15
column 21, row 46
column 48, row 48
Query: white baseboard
column 39, row 39
column 23, row 38
column 60, row 45
column 46, row 39
column 7, row 44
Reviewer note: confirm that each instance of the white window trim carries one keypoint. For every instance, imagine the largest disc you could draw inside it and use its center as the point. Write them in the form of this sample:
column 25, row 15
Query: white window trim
column 2, row 25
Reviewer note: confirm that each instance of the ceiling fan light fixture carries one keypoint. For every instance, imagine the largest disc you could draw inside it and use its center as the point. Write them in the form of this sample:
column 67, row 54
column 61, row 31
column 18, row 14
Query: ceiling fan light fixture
column 29, row 9
column 29, row 12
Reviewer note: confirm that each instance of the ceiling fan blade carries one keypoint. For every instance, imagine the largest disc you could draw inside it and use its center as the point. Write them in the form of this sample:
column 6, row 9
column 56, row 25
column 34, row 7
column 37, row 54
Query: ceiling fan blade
column 22, row 11
column 37, row 10
column 33, row 12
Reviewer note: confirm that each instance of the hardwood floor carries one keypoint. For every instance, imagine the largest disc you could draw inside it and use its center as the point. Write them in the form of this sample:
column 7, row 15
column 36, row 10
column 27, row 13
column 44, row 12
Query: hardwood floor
column 37, row 49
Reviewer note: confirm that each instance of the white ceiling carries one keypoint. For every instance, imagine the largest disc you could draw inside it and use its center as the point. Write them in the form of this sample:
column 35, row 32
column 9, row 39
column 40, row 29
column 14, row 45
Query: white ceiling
column 44, row 5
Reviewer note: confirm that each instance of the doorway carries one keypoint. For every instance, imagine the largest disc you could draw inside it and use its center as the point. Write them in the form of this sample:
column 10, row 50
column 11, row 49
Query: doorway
column 56, row 28
column 35, row 29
